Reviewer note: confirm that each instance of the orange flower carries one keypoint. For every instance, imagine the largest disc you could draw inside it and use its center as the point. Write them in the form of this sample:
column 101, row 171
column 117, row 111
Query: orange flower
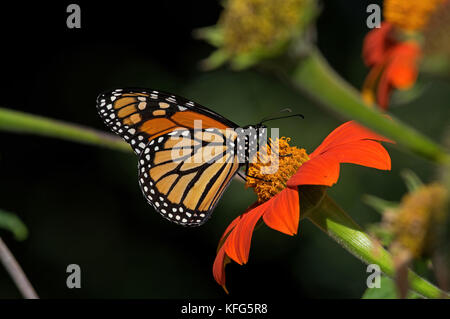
column 394, row 65
column 394, row 50
column 278, row 198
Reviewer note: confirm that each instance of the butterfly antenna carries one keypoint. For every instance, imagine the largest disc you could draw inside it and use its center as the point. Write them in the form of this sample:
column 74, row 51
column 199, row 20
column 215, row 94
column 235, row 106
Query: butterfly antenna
column 269, row 118
column 275, row 113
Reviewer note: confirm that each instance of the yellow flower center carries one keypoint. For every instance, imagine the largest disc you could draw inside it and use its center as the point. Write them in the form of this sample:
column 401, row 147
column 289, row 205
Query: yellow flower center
column 414, row 224
column 410, row 15
column 254, row 24
column 272, row 167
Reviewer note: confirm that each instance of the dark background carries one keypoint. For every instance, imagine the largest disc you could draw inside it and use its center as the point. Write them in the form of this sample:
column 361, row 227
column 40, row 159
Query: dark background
column 82, row 204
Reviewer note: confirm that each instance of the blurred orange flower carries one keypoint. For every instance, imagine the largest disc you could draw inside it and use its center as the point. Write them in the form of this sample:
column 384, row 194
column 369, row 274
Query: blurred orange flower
column 394, row 65
column 393, row 51
column 278, row 198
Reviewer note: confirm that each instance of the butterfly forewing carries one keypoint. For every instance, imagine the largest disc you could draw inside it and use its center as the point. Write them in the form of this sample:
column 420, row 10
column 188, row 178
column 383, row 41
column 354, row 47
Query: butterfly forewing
column 139, row 116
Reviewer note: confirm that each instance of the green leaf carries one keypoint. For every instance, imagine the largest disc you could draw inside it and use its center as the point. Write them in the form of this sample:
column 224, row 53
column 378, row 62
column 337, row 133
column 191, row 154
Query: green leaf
column 379, row 204
column 412, row 181
column 387, row 290
column 213, row 35
column 13, row 224
column 215, row 60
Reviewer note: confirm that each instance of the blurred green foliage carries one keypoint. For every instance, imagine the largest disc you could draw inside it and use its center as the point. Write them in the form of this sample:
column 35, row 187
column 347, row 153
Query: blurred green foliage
column 12, row 223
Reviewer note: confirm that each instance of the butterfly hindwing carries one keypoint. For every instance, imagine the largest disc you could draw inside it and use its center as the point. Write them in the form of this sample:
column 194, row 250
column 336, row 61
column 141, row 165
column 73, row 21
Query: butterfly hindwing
column 183, row 174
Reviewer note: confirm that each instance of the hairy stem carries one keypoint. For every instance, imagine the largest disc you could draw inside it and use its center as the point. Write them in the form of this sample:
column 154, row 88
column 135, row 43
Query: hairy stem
column 336, row 223
column 16, row 272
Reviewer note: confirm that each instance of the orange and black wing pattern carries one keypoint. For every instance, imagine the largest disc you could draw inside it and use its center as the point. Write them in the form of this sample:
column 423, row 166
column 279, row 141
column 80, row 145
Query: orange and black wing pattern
column 183, row 174
column 183, row 168
column 140, row 115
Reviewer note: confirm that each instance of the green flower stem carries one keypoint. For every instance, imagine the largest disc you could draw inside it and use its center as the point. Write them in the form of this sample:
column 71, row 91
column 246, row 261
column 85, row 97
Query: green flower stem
column 315, row 76
column 20, row 122
column 335, row 222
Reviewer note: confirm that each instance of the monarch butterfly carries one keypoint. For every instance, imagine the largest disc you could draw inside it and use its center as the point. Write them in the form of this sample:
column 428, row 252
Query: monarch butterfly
column 161, row 129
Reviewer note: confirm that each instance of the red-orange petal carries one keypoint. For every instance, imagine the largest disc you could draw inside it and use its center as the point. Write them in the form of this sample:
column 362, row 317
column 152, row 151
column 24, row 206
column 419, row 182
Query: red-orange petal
column 376, row 44
column 402, row 70
column 219, row 267
column 384, row 89
column 237, row 245
column 222, row 259
column 228, row 230
column 348, row 132
column 284, row 211
column 321, row 170
column 365, row 152
column 349, row 143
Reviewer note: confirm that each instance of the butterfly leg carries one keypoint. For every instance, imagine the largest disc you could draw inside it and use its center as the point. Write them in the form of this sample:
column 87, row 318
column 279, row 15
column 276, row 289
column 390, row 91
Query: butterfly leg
column 247, row 175
column 244, row 177
column 279, row 155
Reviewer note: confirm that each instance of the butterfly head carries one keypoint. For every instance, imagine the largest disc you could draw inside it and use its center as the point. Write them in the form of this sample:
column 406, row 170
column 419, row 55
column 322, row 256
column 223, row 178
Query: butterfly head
column 261, row 129
column 258, row 133
column 258, row 128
